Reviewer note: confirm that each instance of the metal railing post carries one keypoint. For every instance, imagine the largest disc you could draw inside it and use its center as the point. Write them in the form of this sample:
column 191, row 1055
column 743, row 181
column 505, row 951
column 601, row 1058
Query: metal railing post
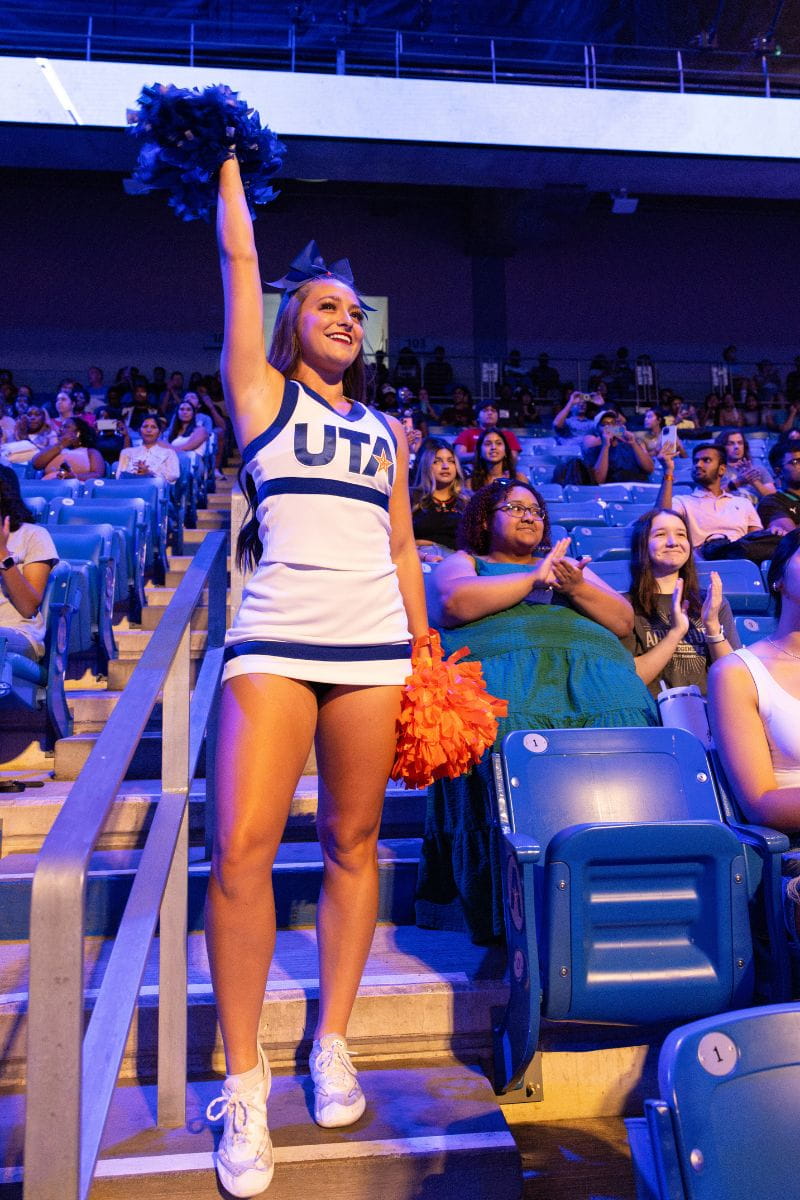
column 341, row 62
column 173, row 932
column 593, row 57
column 89, row 25
column 292, row 47
column 494, row 61
column 680, row 72
column 191, row 44
column 765, row 69
column 55, row 1037
column 398, row 50
column 217, row 624
column 586, row 82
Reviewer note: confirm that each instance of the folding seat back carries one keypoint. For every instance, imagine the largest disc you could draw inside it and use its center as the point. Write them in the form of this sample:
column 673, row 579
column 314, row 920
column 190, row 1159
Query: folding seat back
column 751, row 627
column 600, row 542
column 49, row 488
column 91, row 548
column 616, row 572
column 155, row 492
column 626, row 514
column 742, row 583
column 37, row 506
column 551, row 492
column 131, row 516
column 725, row 1124
column 625, row 894
column 588, row 512
column 609, row 492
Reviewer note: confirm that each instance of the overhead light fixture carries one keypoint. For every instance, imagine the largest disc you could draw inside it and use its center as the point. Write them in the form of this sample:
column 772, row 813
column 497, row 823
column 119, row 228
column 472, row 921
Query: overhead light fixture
column 621, row 202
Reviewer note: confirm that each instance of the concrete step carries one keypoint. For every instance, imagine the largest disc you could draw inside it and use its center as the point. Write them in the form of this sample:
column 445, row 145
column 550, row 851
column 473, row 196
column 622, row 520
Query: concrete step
column 296, row 879
column 179, row 565
column 215, row 518
column 427, row 1131
column 424, row 994
column 27, row 817
column 159, row 597
column 152, row 614
column 131, row 644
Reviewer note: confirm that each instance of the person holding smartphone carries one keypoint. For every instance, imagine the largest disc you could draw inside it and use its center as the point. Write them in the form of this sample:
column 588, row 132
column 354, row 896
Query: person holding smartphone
column 613, row 454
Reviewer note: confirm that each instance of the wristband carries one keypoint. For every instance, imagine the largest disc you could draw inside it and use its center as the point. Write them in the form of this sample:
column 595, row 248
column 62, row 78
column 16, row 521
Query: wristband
column 713, row 639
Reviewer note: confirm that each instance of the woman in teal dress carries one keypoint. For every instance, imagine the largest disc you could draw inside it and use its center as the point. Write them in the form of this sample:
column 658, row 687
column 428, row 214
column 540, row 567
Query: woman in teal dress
column 546, row 630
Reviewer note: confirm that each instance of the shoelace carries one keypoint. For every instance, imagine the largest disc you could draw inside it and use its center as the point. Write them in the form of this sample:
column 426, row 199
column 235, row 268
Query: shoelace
column 335, row 1062
column 226, row 1103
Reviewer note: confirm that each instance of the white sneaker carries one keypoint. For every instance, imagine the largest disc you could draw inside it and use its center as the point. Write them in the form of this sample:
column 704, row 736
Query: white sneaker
column 244, row 1157
column 338, row 1098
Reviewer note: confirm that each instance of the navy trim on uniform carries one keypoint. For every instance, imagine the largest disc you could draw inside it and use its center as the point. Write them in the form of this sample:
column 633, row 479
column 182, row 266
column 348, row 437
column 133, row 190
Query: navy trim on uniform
column 382, row 418
column 288, row 405
column 357, row 410
column 382, row 653
column 288, row 486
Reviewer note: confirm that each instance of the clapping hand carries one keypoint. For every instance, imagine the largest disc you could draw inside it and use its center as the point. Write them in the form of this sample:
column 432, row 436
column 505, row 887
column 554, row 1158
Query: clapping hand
column 568, row 573
column 679, row 615
column 711, row 604
column 544, row 575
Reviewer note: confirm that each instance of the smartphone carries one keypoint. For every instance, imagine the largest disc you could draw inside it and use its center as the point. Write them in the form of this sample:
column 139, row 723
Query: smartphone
column 105, row 426
column 669, row 438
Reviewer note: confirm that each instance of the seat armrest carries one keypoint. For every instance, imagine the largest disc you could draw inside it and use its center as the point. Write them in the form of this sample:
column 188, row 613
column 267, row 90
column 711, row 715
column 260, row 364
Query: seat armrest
column 524, row 848
column 761, row 837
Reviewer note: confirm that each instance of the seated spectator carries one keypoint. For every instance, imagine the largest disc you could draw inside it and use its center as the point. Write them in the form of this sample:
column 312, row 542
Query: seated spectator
column 27, row 556
column 112, row 434
column 678, row 412
column 140, row 407
column 415, row 426
column 96, row 390
column 793, row 383
column 546, row 631
column 513, row 373
column 407, row 372
column 74, row 455
column 386, row 400
column 712, row 515
column 576, row 418
column 751, row 411
column 424, row 404
column 754, row 710
column 526, row 409
column 152, row 458
column 36, row 427
column 545, row 380
column 80, row 399
column 600, row 372
column 494, row 459
column 460, row 411
column 488, row 418
column 212, row 408
column 65, row 411
column 727, row 413
column 184, row 432
column 613, row 454
column 8, row 425
column 438, row 376
column 766, row 380
column 708, row 414
column 780, row 512
column 676, row 633
column 171, row 395
column 650, row 436
column 743, row 476
column 438, row 501
column 622, row 384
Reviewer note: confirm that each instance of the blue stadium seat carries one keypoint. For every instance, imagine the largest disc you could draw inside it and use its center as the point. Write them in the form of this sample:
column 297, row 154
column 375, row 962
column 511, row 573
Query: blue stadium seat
column 626, row 514
column 40, row 684
column 616, row 572
column 600, row 542
column 590, row 512
column 131, row 516
column 550, row 492
column 625, row 894
column 609, row 492
column 751, row 627
column 38, row 507
column 155, row 492
column 51, row 487
column 742, row 583
column 725, row 1125
column 89, row 548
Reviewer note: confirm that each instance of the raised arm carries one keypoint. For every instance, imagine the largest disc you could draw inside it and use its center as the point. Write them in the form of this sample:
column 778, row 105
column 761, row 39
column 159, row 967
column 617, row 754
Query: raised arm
column 253, row 388
column 465, row 596
column 592, row 596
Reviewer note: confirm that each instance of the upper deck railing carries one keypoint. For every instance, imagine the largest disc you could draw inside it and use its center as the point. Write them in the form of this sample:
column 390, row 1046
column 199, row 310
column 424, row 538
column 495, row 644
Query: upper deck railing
column 339, row 47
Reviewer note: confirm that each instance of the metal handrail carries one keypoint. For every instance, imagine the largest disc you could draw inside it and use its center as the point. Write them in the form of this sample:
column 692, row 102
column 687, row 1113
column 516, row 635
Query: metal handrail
column 71, row 1077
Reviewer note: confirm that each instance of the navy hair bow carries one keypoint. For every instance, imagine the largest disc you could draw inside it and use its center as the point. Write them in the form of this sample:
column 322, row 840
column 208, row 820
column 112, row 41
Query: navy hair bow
column 310, row 265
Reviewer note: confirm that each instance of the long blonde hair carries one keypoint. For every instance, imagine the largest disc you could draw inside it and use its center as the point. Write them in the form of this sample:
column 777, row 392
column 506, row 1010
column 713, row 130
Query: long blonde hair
column 425, row 483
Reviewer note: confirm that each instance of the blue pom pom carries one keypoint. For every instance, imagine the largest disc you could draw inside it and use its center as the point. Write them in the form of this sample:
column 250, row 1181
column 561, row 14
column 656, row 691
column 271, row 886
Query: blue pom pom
column 187, row 134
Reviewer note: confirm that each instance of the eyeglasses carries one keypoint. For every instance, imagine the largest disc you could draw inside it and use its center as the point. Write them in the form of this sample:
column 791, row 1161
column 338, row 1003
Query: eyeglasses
column 522, row 510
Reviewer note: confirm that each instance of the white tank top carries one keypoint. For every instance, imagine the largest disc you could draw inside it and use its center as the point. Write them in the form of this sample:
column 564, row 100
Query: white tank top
column 780, row 713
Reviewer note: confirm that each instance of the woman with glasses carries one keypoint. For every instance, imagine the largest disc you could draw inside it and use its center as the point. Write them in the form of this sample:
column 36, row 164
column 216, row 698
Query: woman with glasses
column 547, row 632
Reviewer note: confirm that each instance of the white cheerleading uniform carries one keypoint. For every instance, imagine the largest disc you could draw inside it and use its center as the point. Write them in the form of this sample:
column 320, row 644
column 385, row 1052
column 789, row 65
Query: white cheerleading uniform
column 324, row 603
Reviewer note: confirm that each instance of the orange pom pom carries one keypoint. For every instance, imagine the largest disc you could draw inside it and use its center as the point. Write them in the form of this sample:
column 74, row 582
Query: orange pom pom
column 447, row 718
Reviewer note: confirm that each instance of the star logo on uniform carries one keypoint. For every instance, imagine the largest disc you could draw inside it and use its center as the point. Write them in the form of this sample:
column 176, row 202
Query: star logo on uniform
column 383, row 462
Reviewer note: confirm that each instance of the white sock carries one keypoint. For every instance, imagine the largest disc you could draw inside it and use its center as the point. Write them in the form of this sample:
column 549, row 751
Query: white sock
column 247, row 1079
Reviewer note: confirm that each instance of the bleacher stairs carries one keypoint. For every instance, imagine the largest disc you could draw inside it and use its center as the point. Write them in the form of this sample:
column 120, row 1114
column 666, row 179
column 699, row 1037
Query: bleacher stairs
column 421, row 1028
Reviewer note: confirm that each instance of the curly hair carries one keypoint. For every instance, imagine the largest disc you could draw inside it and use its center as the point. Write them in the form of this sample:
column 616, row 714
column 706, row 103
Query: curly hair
column 86, row 433
column 643, row 581
column 11, row 503
column 480, row 470
column 475, row 528
column 284, row 356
